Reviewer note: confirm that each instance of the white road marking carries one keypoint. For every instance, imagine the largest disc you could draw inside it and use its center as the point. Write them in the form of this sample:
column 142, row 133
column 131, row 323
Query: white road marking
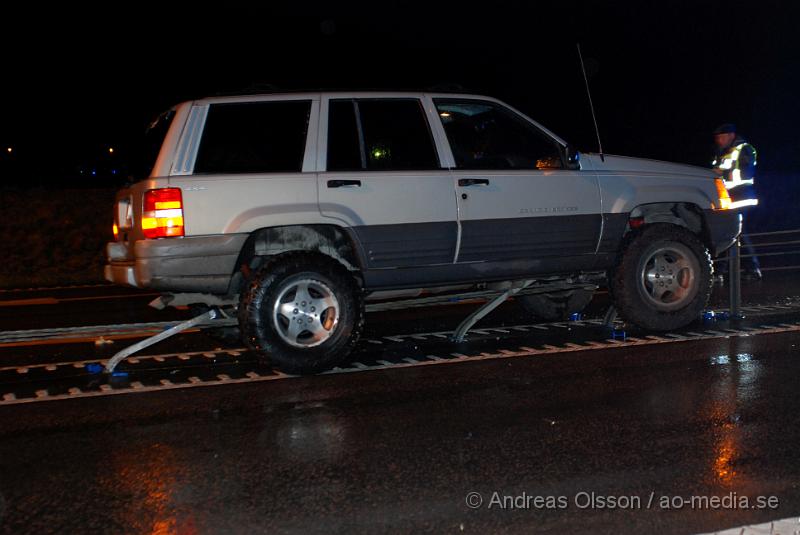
column 784, row 526
column 523, row 351
column 129, row 360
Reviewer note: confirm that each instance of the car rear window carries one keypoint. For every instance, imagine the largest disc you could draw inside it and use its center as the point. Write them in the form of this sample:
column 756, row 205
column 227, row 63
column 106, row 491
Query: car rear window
column 254, row 137
column 146, row 150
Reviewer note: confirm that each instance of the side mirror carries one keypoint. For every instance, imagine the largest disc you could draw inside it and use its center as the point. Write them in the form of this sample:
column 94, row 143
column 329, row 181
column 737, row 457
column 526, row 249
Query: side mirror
column 573, row 157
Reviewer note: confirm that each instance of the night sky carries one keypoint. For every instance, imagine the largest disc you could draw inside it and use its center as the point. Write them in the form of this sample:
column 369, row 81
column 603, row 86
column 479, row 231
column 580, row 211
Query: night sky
column 663, row 74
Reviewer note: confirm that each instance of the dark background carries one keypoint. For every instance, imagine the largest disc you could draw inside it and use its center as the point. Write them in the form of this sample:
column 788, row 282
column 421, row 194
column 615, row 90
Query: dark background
column 76, row 81
column 663, row 74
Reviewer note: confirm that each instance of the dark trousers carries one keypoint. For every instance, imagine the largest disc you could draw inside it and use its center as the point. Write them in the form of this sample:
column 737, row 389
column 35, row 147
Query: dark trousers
column 747, row 249
column 749, row 262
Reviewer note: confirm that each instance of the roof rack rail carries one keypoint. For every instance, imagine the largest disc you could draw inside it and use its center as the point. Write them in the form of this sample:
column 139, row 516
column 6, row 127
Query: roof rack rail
column 448, row 87
column 264, row 88
column 254, row 88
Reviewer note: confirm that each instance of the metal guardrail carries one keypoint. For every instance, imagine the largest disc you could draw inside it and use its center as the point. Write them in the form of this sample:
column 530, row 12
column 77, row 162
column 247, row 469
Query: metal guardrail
column 773, row 247
column 734, row 259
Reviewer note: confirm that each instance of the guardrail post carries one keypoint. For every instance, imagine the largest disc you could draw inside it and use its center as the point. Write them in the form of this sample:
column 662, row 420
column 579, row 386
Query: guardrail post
column 735, row 279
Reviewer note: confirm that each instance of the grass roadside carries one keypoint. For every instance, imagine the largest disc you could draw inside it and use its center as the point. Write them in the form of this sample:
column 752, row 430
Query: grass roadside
column 54, row 237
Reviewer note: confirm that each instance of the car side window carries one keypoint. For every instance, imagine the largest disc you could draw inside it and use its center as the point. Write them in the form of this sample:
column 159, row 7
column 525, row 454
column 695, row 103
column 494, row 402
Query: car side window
column 379, row 135
column 254, row 137
column 345, row 145
column 486, row 135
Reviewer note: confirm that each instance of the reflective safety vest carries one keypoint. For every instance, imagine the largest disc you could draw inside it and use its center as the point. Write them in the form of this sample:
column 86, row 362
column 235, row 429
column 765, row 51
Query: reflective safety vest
column 738, row 164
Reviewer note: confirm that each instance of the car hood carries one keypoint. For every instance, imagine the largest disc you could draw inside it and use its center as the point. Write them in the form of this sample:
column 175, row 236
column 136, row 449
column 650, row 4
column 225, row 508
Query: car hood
column 642, row 166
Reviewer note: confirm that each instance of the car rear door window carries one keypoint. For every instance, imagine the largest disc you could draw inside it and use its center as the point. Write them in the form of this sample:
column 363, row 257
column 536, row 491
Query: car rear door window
column 379, row 135
column 254, row 137
column 485, row 135
column 345, row 144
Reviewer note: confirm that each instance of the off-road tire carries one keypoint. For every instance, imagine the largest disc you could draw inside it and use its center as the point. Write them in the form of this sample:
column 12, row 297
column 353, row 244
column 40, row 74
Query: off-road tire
column 260, row 324
column 631, row 280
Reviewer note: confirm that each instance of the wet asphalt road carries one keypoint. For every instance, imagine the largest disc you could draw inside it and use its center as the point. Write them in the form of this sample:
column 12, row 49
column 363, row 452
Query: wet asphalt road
column 400, row 450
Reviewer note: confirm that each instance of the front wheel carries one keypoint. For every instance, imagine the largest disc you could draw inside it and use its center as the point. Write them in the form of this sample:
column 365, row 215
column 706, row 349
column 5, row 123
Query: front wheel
column 663, row 278
column 302, row 314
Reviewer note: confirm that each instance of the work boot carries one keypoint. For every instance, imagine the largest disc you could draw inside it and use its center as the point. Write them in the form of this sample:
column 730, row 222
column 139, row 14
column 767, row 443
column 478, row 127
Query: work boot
column 752, row 275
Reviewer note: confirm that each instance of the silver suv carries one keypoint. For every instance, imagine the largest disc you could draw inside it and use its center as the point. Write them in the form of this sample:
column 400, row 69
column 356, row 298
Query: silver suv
column 299, row 207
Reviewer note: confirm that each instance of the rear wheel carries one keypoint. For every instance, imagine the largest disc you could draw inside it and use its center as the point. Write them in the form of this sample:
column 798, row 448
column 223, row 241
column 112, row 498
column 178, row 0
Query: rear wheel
column 663, row 279
column 302, row 314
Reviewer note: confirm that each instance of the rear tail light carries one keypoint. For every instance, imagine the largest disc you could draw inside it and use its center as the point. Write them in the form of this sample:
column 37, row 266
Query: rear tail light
column 162, row 216
column 724, row 196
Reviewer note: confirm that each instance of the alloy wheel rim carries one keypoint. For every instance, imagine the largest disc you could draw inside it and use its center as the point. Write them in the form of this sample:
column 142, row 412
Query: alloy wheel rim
column 306, row 313
column 668, row 277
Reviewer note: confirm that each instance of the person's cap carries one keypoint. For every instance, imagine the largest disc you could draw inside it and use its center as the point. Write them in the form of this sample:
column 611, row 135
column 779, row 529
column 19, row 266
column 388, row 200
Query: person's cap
column 727, row 128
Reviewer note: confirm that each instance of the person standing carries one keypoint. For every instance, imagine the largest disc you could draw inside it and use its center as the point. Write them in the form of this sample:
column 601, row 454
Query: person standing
column 735, row 162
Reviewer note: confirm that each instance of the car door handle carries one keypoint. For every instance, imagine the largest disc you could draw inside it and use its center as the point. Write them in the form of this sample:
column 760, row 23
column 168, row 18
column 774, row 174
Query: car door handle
column 473, row 182
column 343, row 183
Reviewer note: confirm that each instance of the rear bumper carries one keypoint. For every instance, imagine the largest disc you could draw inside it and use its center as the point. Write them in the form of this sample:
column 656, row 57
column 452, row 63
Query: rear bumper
column 194, row 264
column 724, row 226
